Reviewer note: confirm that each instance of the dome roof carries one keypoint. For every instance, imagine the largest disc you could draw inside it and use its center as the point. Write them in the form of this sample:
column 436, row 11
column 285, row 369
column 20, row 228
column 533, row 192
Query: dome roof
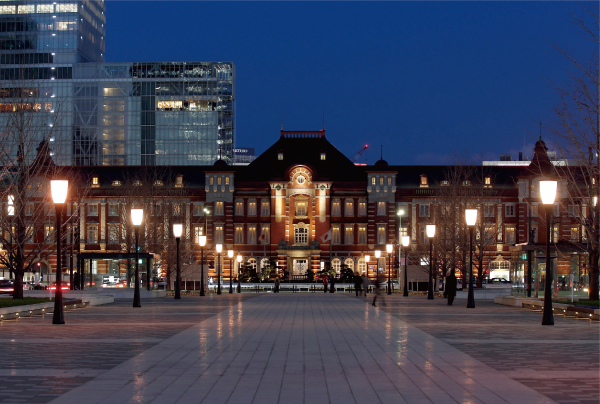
column 381, row 165
column 220, row 165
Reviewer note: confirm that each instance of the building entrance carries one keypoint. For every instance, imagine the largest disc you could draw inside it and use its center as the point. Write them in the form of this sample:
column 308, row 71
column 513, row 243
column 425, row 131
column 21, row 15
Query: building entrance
column 300, row 267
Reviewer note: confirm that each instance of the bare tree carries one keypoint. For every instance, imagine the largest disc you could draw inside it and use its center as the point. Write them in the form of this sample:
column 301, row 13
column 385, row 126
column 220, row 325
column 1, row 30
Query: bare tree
column 576, row 131
column 30, row 117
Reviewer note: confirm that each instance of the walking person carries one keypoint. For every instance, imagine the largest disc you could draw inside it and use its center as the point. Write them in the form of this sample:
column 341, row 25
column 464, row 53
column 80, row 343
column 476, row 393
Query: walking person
column 450, row 288
column 325, row 284
column 357, row 284
column 365, row 283
column 331, row 283
column 276, row 284
column 378, row 282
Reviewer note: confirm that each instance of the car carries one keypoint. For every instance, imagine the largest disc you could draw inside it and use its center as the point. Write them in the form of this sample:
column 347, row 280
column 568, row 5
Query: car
column 7, row 286
column 499, row 280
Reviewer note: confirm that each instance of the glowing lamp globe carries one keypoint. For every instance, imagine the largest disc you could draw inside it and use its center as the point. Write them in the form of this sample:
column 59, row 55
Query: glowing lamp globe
column 405, row 241
column 136, row 216
column 430, row 230
column 471, row 216
column 202, row 241
column 548, row 191
column 59, row 190
column 177, row 230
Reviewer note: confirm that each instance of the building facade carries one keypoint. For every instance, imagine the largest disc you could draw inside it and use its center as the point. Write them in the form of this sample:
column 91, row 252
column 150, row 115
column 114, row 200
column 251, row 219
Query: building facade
column 301, row 207
column 95, row 113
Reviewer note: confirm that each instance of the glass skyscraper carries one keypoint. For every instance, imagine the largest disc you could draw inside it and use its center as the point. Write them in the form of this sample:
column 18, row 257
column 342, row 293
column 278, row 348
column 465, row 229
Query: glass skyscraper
column 96, row 113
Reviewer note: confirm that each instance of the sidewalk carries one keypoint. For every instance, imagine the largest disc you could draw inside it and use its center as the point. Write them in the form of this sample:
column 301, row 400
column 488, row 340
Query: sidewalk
column 299, row 348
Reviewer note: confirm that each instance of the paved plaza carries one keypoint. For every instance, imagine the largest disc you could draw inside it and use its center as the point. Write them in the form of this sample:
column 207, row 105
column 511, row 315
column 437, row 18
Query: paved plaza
column 299, row 348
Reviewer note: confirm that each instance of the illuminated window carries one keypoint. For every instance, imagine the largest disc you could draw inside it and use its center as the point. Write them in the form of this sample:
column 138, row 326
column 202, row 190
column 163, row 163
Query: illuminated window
column 575, row 234
column 227, row 180
column 67, row 26
column 300, row 208
column 198, row 231
column 487, row 180
column 335, row 234
column 362, row 267
column 373, row 181
column 113, row 233
column 29, row 233
column 239, row 207
column 349, row 262
column 162, row 105
column 466, row 183
column 113, row 92
column 92, row 209
column 445, row 183
column 8, row 9
column 219, row 234
column 362, row 208
column 158, row 183
column 510, row 236
column 176, row 209
column 49, row 233
column 336, row 265
column 335, row 208
column 219, row 208
column 280, row 156
column 323, row 156
column 116, row 183
column 92, row 233
column 381, row 238
column 555, row 233
column 380, row 180
column 490, row 234
column 137, row 183
column 251, row 234
column 252, row 207
column 349, row 207
column 533, row 208
column 26, row 9
column 239, row 234
column 349, row 234
column 381, row 208
column 362, row 234
column 95, row 182
column 389, row 180
column 301, row 235
column 211, row 181
column 264, row 208
column 66, row 8
column 219, row 180
column 179, row 181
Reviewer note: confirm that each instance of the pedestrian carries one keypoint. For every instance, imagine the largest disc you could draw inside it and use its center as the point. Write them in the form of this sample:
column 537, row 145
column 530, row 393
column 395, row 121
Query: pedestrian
column 276, row 284
column 357, row 284
column 76, row 281
column 325, row 284
column 378, row 282
column 450, row 289
column 332, row 283
column 365, row 283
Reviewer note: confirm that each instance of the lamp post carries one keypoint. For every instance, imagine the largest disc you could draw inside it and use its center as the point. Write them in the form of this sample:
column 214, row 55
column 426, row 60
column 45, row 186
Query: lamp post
column 239, row 260
column 471, row 218
column 136, row 218
column 430, row 234
column 177, row 231
column 548, row 194
column 219, row 248
column 389, row 248
column 230, row 255
column 405, row 243
column 202, row 242
column 59, row 195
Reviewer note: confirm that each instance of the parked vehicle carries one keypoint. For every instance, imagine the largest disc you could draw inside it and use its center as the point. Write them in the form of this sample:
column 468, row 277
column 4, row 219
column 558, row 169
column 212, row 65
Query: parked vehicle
column 7, row 286
column 499, row 280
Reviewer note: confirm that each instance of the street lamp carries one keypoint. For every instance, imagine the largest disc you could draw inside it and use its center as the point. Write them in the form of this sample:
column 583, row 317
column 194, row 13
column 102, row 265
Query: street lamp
column 405, row 243
column 471, row 218
column 136, row 219
column 239, row 260
column 177, row 231
column 230, row 255
column 202, row 242
column 59, row 195
column 389, row 248
column 219, row 248
column 548, row 194
column 431, row 234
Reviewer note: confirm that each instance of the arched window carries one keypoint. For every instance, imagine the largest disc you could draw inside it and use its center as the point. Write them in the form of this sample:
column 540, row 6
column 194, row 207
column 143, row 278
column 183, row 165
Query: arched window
column 301, row 234
column 264, row 263
column 336, row 264
column 362, row 266
column 349, row 263
column 252, row 263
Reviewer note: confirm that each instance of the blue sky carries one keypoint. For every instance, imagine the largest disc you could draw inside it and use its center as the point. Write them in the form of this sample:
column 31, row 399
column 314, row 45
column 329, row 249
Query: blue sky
column 426, row 80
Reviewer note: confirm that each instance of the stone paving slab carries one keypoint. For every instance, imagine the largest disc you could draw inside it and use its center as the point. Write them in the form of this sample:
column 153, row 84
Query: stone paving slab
column 304, row 348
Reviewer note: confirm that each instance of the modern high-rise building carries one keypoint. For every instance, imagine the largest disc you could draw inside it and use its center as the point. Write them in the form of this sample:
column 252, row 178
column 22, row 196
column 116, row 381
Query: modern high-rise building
column 96, row 113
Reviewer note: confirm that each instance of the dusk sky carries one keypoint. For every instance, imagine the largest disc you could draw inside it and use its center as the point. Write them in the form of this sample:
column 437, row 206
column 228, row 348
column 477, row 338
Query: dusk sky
column 424, row 79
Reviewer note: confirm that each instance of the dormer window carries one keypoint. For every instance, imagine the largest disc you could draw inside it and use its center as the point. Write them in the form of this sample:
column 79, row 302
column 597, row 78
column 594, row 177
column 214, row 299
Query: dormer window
column 466, row 183
column 137, row 183
column 323, row 156
column 424, row 181
column 158, row 183
column 487, row 181
column 280, row 156
column 95, row 181
column 116, row 183
column 445, row 183
column 179, row 181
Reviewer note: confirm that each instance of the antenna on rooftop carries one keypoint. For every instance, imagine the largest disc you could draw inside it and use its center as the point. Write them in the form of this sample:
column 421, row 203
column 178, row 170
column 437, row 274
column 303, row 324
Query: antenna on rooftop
column 281, row 120
column 323, row 119
column 381, row 152
column 540, row 131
